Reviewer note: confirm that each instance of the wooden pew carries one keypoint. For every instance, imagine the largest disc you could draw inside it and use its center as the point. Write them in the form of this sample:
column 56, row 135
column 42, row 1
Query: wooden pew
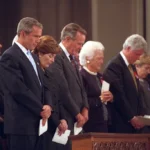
column 107, row 141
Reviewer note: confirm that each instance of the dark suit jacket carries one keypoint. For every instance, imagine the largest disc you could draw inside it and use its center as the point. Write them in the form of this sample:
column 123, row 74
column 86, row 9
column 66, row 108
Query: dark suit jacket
column 23, row 96
column 72, row 93
column 126, row 97
column 58, row 109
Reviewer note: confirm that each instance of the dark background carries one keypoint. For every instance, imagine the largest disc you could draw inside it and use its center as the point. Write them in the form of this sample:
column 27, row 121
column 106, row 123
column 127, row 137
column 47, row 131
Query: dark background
column 53, row 14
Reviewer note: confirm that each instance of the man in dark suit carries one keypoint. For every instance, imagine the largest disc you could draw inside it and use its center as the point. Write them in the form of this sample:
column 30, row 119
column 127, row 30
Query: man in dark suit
column 125, row 87
column 26, row 99
column 72, row 94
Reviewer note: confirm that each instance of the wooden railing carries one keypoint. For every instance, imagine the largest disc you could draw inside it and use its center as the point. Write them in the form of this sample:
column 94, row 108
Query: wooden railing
column 106, row 141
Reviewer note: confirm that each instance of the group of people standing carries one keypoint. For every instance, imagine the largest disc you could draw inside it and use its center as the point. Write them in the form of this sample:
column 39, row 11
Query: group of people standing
column 61, row 84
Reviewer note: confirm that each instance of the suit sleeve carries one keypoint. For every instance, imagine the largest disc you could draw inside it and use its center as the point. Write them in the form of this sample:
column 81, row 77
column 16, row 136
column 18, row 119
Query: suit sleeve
column 47, row 97
column 53, row 87
column 55, row 117
column 67, row 100
column 113, row 75
column 15, row 85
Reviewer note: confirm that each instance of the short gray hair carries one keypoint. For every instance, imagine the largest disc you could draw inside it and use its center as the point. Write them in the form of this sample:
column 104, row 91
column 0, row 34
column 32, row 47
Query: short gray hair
column 135, row 42
column 88, row 50
column 71, row 30
column 26, row 24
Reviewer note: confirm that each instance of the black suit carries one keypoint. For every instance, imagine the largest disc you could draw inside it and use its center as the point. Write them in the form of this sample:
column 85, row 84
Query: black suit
column 72, row 91
column 24, row 96
column 72, row 94
column 58, row 112
column 126, row 97
column 57, row 115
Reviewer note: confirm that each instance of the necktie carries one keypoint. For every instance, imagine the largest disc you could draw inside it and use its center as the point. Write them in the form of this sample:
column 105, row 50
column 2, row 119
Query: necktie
column 33, row 64
column 105, row 111
column 73, row 62
column 133, row 76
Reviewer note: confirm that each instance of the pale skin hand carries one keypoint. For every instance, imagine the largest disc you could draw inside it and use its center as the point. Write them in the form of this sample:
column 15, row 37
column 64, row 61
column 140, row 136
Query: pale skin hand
column 85, row 114
column 80, row 120
column 106, row 96
column 44, row 121
column 45, row 113
column 136, row 123
column 63, row 126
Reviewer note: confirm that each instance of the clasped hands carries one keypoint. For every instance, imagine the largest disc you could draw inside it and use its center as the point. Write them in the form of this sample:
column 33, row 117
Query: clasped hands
column 82, row 117
column 63, row 126
column 106, row 96
column 136, row 123
column 45, row 113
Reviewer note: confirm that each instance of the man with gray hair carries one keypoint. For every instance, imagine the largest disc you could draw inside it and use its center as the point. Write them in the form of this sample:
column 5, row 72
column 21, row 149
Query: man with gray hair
column 64, row 71
column 26, row 99
column 125, row 86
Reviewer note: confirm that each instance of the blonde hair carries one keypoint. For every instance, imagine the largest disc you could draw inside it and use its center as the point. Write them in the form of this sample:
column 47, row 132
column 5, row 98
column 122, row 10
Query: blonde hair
column 144, row 59
column 47, row 45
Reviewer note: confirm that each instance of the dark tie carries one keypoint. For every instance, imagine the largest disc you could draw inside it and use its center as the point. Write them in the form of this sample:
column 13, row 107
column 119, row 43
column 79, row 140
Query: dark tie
column 73, row 62
column 105, row 111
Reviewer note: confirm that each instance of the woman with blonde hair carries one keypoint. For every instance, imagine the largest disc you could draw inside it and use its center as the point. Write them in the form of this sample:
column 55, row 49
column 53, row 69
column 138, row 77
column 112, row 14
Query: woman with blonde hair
column 143, row 67
column 46, row 51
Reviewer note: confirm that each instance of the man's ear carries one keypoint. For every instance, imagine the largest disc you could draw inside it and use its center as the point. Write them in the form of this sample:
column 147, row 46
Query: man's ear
column 128, row 48
column 22, row 33
column 67, row 38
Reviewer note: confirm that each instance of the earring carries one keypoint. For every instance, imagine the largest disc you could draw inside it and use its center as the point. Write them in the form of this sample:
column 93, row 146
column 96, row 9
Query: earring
column 88, row 61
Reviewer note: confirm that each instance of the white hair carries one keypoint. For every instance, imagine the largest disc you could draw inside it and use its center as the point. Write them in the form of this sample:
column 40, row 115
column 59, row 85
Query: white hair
column 88, row 50
column 15, row 39
column 135, row 42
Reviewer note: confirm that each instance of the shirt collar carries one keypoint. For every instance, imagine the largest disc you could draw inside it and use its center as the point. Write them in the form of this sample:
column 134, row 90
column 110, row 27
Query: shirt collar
column 64, row 50
column 124, row 58
column 24, row 50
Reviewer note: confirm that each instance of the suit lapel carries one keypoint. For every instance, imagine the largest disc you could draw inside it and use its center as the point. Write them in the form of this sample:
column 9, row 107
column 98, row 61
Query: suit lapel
column 29, row 65
column 77, row 76
column 128, row 73
column 78, row 73
column 38, row 67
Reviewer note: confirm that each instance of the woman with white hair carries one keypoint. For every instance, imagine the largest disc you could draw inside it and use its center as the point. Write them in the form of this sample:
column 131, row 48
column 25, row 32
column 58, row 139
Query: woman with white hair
column 91, row 58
